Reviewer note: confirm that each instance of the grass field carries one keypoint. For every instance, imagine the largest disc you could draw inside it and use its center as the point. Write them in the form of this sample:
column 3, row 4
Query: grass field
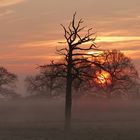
column 92, row 120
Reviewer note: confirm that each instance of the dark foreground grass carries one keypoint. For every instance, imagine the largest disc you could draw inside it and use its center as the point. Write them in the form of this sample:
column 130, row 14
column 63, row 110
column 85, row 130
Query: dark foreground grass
column 80, row 131
column 43, row 120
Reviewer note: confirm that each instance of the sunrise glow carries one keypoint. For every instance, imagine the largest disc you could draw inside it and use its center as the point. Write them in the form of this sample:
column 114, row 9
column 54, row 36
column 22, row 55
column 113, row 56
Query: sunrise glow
column 31, row 36
column 103, row 78
column 70, row 69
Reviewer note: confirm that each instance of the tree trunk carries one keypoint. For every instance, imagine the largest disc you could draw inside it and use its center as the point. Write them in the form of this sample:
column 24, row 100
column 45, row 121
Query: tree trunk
column 68, row 100
column 68, row 105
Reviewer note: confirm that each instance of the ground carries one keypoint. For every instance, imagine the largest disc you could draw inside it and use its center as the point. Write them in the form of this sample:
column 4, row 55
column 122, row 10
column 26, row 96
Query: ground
column 92, row 120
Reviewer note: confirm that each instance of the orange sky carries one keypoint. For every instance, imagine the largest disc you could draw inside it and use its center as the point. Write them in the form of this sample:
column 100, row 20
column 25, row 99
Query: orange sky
column 30, row 29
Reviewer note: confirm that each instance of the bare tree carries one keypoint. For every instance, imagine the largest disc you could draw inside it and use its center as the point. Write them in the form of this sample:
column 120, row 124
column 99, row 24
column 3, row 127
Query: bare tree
column 46, row 83
column 75, row 54
column 7, row 83
column 51, row 81
column 119, row 76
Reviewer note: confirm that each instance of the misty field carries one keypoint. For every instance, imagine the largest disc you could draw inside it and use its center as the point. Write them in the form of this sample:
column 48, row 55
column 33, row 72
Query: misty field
column 42, row 119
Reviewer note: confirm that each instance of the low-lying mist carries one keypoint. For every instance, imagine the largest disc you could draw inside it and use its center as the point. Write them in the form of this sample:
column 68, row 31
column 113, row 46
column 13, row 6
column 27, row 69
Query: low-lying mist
column 42, row 118
column 83, row 109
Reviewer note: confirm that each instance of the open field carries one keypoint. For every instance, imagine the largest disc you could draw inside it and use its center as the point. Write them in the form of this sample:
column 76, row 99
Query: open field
column 92, row 120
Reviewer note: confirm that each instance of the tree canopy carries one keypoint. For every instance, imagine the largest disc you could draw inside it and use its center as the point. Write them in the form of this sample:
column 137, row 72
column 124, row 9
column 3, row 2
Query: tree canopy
column 118, row 78
column 7, row 83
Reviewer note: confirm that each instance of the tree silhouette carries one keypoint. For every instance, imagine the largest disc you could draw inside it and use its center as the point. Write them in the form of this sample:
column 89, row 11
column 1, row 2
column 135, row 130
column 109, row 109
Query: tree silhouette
column 84, row 68
column 116, row 77
column 46, row 83
column 7, row 83
column 119, row 76
column 51, row 80
column 75, row 54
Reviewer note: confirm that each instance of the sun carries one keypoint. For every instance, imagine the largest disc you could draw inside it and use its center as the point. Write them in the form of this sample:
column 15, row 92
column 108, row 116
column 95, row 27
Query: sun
column 103, row 78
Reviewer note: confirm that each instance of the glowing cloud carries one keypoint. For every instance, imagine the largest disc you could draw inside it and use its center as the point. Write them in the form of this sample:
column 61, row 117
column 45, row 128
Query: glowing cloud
column 4, row 3
column 109, row 39
column 7, row 12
